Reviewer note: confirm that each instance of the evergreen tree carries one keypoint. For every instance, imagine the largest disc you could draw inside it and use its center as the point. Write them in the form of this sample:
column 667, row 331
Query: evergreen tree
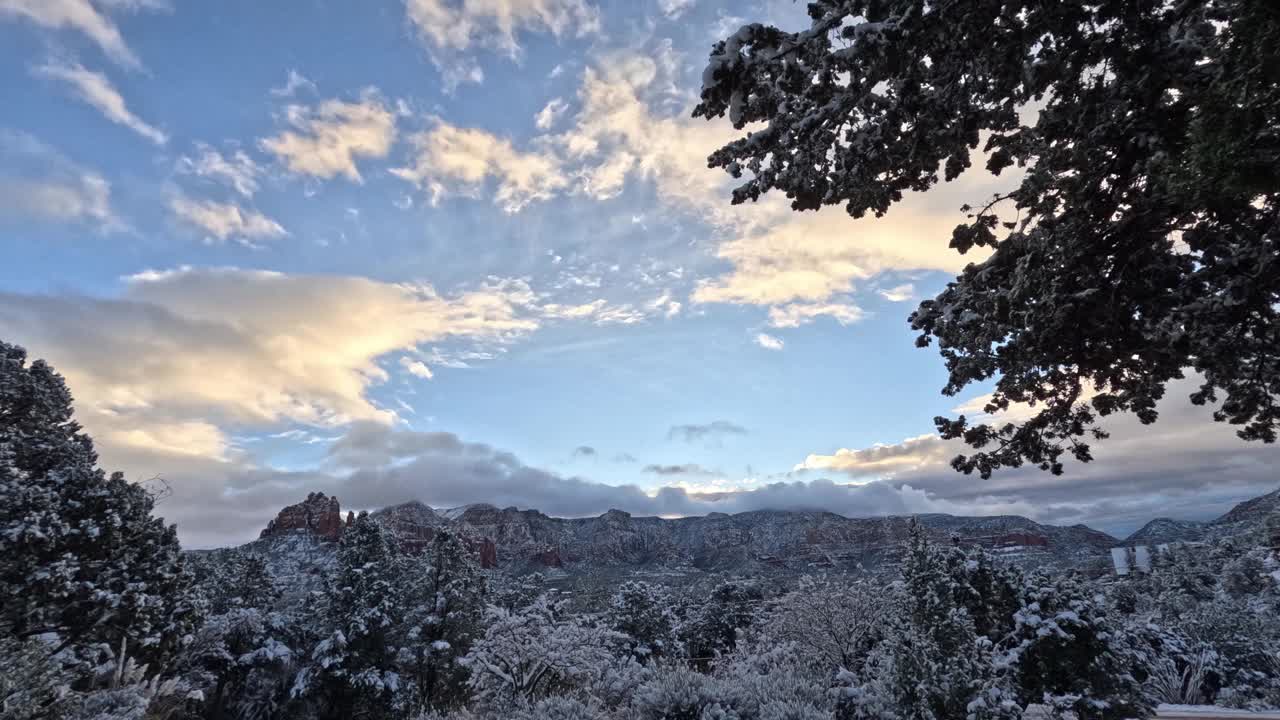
column 354, row 666
column 1068, row 654
column 713, row 626
column 242, row 655
column 444, row 607
column 643, row 612
column 935, row 664
column 1148, row 196
column 81, row 555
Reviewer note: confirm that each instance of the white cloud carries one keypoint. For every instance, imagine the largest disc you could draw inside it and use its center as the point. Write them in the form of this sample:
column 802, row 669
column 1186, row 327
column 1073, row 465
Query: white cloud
column 327, row 139
column 460, row 24
column 599, row 312
column 38, row 182
column 550, row 113
column 461, row 160
column 225, row 220
column 236, row 169
column 95, row 89
column 795, row 263
column 79, row 15
column 450, row 29
column 293, row 83
column 416, row 368
column 254, row 348
column 136, row 5
column 87, row 198
column 882, row 460
column 607, row 179
column 675, row 8
column 665, row 305
column 797, row 314
column 768, row 342
column 899, row 293
column 1183, row 466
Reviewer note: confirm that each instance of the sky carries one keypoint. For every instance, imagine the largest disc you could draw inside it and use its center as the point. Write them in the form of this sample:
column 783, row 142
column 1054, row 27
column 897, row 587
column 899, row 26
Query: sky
column 470, row 251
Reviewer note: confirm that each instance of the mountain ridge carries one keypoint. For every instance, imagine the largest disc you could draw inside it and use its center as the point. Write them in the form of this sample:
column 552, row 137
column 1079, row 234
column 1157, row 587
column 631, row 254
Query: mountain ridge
column 1246, row 512
column 524, row 540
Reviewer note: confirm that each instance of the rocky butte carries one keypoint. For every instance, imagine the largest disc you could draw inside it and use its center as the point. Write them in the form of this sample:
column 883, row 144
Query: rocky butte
column 319, row 515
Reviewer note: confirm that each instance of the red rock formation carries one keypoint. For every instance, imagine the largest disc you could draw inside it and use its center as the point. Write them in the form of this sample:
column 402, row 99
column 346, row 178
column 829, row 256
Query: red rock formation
column 488, row 554
column 319, row 514
column 549, row 558
column 413, row 524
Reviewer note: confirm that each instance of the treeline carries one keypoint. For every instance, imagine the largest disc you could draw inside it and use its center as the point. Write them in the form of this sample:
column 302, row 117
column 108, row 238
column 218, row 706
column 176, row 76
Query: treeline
column 103, row 617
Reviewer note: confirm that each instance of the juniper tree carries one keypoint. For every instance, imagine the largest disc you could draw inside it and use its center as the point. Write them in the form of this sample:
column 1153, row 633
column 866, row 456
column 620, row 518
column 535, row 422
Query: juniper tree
column 444, row 608
column 82, row 558
column 354, row 665
column 1140, row 238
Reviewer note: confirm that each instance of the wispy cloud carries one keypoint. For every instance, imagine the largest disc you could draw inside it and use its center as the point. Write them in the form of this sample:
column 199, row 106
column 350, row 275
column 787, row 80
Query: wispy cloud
column 417, row 368
column 38, row 182
column 95, row 89
column 451, row 28
column 81, row 16
column 225, row 220
column 768, row 342
column 712, row 431
column 899, row 293
column 797, row 314
column 235, row 169
column 550, row 114
column 457, row 160
column 685, row 469
column 293, row 83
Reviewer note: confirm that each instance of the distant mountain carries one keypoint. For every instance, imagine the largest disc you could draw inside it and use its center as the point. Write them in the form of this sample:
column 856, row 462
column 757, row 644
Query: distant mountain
column 1252, row 511
column 752, row 542
column 300, row 543
column 1247, row 516
column 1167, row 530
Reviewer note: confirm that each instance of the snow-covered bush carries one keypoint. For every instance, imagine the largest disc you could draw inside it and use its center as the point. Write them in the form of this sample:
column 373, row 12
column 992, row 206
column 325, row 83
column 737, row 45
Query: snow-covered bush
column 643, row 612
column 712, row 626
column 540, row 651
column 680, row 693
column 32, row 683
column 832, row 620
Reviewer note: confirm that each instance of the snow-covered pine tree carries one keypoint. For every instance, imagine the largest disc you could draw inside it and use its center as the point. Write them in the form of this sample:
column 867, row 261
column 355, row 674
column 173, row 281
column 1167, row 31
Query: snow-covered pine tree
column 1064, row 651
column 444, row 608
column 81, row 555
column 934, row 664
column 515, row 592
column 643, row 612
column 229, row 579
column 712, row 626
column 242, row 656
column 354, row 665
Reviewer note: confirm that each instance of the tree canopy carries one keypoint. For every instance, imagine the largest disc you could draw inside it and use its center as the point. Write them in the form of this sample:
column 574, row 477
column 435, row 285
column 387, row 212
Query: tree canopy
column 1139, row 238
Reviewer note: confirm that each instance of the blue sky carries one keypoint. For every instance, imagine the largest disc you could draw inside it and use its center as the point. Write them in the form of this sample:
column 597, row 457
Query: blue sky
column 252, row 234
